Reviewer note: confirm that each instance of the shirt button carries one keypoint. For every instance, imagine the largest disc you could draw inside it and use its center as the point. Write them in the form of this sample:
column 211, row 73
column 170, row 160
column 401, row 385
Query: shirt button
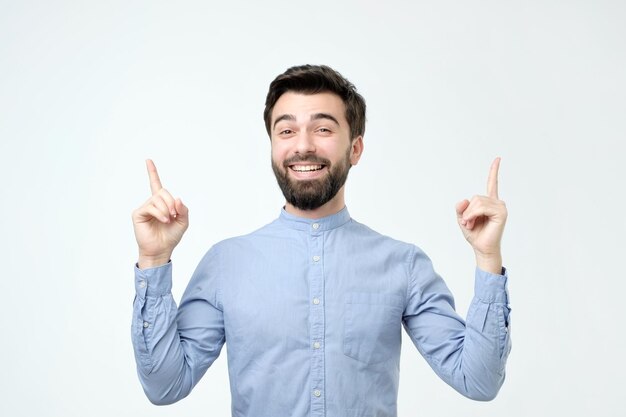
column 316, row 301
column 316, row 258
column 316, row 345
column 142, row 284
column 316, row 226
column 317, row 393
column 146, row 324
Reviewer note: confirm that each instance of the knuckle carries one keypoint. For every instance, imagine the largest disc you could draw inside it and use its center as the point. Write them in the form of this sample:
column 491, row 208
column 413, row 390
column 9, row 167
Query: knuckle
column 162, row 201
column 167, row 197
column 154, row 202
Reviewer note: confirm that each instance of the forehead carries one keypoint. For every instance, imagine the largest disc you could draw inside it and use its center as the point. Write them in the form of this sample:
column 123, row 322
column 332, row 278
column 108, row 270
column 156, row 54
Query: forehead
column 303, row 105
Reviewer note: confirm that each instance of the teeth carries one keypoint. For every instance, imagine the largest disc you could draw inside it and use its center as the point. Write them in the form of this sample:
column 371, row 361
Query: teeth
column 306, row 168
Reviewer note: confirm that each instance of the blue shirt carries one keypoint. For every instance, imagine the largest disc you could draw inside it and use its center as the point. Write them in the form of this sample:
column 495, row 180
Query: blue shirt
column 311, row 312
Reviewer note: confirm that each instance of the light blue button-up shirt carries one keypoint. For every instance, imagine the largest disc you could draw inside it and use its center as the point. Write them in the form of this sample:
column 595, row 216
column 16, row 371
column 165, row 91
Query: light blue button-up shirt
column 311, row 312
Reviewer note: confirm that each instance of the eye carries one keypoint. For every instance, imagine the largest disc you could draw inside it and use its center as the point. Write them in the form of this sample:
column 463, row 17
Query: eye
column 285, row 132
column 324, row 130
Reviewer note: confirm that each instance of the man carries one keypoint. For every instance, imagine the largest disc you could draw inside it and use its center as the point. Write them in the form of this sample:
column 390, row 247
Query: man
column 311, row 305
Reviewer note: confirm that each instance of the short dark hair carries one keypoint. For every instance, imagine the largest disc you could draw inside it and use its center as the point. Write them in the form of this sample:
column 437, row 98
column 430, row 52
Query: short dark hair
column 313, row 79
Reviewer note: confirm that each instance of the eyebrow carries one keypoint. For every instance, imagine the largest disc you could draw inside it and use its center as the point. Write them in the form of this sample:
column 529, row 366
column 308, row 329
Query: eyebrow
column 316, row 116
column 319, row 116
column 289, row 117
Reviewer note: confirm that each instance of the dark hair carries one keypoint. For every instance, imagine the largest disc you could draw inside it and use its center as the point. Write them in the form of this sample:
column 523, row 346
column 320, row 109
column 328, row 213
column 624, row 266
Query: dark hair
column 313, row 79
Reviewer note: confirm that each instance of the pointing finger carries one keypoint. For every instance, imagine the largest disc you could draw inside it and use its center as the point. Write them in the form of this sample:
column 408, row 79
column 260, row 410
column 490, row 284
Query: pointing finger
column 155, row 182
column 492, row 182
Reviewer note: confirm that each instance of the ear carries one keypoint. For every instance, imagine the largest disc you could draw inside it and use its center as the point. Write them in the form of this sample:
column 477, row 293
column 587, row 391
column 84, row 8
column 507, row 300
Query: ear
column 356, row 150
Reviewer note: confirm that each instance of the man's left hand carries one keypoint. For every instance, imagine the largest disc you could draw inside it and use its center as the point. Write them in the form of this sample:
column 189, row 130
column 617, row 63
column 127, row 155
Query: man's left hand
column 482, row 221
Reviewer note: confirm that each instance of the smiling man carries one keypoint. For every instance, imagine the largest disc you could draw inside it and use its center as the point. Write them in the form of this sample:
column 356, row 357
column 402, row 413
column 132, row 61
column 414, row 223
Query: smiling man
column 306, row 130
column 311, row 306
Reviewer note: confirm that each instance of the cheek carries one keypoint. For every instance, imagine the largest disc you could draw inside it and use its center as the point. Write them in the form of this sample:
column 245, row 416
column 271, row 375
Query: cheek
column 280, row 150
column 278, row 155
column 338, row 154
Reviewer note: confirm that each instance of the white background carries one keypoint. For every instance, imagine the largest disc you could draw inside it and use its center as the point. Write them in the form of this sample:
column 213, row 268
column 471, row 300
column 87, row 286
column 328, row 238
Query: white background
column 89, row 90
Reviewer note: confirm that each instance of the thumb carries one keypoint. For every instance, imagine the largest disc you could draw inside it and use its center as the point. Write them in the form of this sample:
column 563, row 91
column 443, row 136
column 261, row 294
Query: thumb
column 461, row 206
column 181, row 209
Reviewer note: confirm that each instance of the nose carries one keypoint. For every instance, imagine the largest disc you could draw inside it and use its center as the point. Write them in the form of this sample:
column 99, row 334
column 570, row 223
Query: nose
column 305, row 143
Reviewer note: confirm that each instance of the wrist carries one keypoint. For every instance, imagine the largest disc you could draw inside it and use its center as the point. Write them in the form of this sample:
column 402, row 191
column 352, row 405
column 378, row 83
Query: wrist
column 147, row 261
column 491, row 263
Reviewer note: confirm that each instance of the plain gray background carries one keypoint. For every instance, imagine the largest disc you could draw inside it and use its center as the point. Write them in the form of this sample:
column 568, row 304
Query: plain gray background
column 89, row 90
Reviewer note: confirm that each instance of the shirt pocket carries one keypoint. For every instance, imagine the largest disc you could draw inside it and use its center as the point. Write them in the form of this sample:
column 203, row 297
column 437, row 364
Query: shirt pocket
column 372, row 326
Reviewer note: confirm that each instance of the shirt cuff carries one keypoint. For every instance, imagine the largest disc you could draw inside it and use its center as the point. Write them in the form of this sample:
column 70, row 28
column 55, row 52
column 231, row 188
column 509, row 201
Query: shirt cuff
column 153, row 282
column 492, row 288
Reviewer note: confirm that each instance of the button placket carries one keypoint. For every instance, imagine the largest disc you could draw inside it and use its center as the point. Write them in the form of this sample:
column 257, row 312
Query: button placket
column 317, row 323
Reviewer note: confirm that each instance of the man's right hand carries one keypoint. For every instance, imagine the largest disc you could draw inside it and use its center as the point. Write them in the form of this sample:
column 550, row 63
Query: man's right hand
column 159, row 223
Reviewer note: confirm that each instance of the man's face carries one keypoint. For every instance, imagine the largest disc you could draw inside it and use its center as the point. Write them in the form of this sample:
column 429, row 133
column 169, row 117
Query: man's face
column 311, row 148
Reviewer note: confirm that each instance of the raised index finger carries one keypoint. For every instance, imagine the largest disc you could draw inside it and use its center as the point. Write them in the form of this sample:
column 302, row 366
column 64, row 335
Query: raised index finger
column 155, row 182
column 492, row 182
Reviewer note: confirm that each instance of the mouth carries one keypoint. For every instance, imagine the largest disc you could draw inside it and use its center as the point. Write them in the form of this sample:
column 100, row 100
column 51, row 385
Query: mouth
column 307, row 168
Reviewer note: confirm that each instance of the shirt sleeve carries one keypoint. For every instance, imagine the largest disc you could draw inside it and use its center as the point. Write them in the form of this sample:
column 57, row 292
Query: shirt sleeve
column 175, row 346
column 469, row 356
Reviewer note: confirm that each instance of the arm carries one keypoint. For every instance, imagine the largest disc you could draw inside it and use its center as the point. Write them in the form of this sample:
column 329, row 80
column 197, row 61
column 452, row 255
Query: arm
column 470, row 356
column 173, row 347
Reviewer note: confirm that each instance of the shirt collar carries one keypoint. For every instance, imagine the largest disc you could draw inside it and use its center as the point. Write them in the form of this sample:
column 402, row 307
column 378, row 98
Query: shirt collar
column 315, row 225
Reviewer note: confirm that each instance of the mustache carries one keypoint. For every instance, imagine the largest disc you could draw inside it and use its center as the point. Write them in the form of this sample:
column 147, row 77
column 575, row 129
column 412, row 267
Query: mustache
column 308, row 158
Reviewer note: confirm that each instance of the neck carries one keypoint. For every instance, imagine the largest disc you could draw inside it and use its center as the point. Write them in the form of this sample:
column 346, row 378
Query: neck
column 335, row 205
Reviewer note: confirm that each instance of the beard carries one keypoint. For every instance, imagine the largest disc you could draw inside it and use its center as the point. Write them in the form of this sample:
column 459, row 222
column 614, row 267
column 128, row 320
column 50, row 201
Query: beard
column 312, row 194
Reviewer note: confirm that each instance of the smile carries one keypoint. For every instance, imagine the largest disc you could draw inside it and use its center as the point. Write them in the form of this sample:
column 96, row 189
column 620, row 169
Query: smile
column 306, row 168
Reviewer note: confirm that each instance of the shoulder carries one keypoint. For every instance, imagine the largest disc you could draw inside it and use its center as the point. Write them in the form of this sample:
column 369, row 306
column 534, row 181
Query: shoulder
column 256, row 238
column 370, row 238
